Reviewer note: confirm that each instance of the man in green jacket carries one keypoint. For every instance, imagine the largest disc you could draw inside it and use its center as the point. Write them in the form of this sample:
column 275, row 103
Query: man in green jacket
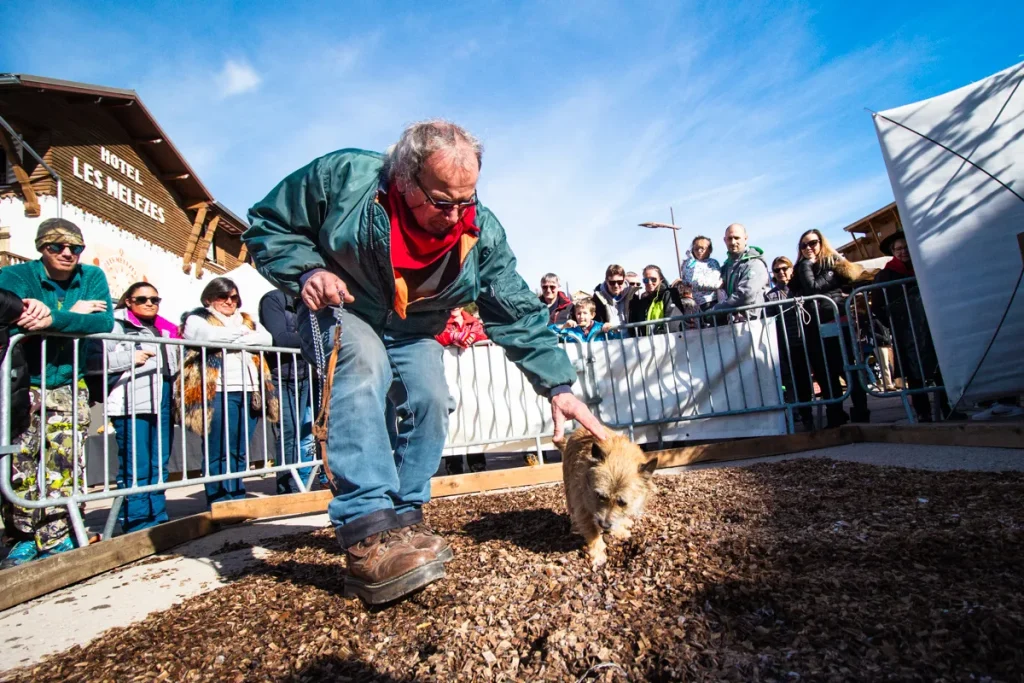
column 63, row 296
column 401, row 239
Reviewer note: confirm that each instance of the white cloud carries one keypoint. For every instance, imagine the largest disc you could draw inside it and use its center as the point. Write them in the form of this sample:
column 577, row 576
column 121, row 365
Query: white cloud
column 237, row 77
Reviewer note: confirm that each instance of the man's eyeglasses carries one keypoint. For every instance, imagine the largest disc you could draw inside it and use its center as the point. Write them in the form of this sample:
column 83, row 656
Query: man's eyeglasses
column 141, row 300
column 55, row 248
column 651, row 281
column 546, row 287
column 781, row 269
column 615, row 283
column 810, row 244
column 445, row 206
column 234, row 297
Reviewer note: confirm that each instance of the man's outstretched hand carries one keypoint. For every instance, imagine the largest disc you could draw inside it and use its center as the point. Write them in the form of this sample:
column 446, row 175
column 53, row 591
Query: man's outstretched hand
column 568, row 407
column 324, row 288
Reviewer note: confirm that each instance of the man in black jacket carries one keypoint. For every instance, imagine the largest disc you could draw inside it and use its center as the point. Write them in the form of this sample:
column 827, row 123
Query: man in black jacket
column 291, row 380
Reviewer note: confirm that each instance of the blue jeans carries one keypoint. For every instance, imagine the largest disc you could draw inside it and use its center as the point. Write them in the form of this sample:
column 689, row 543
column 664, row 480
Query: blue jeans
column 379, row 486
column 143, row 510
column 241, row 423
column 293, row 413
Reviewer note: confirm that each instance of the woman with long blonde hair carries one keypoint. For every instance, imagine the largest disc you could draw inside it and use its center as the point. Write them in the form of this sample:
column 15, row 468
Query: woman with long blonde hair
column 822, row 270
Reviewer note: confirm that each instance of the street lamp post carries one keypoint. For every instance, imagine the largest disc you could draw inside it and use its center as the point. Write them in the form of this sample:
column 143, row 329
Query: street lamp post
column 675, row 229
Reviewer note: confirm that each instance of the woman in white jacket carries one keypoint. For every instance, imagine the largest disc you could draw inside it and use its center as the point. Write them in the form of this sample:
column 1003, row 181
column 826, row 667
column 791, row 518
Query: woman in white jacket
column 242, row 376
column 139, row 400
column 702, row 273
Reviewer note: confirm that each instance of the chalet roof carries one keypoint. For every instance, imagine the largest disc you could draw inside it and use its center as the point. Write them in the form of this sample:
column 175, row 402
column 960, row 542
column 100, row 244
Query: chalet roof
column 860, row 224
column 129, row 111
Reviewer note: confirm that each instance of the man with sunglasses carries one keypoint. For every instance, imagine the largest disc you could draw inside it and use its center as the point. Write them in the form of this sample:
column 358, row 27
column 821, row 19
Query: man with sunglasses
column 74, row 300
column 558, row 303
column 612, row 296
column 401, row 239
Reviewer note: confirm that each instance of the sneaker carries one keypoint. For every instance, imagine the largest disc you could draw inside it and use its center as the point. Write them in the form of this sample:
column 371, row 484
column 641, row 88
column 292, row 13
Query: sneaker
column 65, row 545
column 998, row 410
column 22, row 552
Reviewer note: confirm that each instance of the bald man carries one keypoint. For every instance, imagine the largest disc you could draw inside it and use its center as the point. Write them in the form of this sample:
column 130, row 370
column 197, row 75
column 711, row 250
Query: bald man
column 744, row 273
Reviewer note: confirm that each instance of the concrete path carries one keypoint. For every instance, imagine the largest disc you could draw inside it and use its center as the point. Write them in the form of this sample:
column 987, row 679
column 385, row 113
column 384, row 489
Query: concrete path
column 78, row 614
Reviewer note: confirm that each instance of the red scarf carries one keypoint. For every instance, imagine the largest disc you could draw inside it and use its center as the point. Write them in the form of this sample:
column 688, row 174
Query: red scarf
column 901, row 268
column 412, row 247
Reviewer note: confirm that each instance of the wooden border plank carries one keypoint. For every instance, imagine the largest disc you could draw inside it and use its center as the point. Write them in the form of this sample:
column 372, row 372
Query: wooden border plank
column 28, row 581
column 756, row 447
column 1001, row 435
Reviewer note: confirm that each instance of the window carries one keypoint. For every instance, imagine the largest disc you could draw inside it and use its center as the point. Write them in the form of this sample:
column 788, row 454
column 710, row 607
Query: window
column 211, row 253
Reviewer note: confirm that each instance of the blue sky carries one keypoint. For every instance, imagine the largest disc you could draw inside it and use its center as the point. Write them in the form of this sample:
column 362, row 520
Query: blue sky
column 595, row 116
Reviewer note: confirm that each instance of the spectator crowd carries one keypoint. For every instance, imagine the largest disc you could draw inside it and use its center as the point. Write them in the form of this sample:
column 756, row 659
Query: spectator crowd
column 220, row 394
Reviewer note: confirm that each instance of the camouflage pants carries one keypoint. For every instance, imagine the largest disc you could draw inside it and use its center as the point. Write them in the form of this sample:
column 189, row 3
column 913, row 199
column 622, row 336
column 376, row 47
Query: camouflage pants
column 48, row 526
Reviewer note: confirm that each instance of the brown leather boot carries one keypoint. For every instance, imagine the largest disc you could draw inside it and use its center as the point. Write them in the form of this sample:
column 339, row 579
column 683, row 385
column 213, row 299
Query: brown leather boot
column 385, row 567
column 421, row 536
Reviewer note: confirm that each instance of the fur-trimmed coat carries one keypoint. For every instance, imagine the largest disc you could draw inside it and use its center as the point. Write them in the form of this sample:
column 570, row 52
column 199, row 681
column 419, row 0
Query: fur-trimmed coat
column 833, row 278
column 192, row 373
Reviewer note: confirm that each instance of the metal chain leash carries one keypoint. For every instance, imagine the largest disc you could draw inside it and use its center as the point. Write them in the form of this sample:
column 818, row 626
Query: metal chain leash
column 325, row 367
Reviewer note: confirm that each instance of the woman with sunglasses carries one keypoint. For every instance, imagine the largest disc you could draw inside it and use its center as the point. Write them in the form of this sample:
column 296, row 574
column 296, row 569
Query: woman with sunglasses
column 139, row 401
column 244, row 377
column 820, row 269
column 654, row 303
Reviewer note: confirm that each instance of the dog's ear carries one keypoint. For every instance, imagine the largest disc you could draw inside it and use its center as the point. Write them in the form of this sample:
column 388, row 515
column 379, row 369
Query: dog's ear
column 596, row 454
column 647, row 468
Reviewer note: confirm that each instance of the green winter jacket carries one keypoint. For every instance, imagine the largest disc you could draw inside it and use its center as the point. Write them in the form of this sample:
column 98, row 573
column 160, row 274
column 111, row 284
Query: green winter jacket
column 30, row 281
column 325, row 215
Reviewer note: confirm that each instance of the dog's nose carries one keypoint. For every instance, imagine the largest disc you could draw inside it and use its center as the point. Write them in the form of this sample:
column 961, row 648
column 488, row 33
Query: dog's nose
column 605, row 525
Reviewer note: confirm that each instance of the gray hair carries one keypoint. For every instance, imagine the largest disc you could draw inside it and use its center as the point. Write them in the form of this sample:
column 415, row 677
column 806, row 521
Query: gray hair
column 549, row 276
column 405, row 158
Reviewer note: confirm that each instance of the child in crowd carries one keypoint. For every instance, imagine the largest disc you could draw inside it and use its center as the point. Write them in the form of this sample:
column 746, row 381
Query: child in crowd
column 583, row 328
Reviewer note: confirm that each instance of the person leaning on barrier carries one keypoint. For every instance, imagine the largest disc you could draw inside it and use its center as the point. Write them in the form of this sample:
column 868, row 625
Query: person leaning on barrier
column 72, row 299
column 583, row 328
column 401, row 239
column 702, row 273
column 901, row 310
column 793, row 358
column 822, row 270
column 744, row 275
column 243, row 376
column 612, row 296
column 278, row 314
column 558, row 303
column 139, row 403
column 654, row 303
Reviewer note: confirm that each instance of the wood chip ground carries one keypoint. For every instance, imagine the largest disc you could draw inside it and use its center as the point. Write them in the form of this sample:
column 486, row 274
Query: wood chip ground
column 807, row 570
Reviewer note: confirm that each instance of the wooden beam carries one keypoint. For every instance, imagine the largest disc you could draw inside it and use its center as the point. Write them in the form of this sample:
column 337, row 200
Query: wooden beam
column 148, row 141
column 197, row 227
column 23, row 583
column 742, row 449
column 1006, row 435
column 32, row 209
column 174, row 176
column 243, row 253
column 203, row 247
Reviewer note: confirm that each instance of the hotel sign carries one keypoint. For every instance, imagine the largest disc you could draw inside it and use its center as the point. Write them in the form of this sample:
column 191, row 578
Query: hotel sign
column 113, row 183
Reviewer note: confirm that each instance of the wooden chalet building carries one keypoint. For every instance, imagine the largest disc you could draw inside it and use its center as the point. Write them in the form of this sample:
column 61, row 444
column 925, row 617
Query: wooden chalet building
column 144, row 212
column 868, row 233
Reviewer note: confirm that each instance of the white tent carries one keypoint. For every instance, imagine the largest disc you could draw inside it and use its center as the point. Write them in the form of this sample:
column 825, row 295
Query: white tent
column 956, row 164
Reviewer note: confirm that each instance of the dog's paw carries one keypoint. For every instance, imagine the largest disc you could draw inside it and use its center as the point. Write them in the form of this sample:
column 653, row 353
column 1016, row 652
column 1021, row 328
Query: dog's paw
column 598, row 561
column 621, row 534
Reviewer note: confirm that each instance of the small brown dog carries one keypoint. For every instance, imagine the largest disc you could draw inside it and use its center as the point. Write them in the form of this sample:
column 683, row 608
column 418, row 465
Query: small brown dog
column 606, row 486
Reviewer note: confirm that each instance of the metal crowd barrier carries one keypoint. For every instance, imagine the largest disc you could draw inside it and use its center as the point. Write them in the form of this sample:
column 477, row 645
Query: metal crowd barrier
column 888, row 319
column 82, row 493
column 713, row 364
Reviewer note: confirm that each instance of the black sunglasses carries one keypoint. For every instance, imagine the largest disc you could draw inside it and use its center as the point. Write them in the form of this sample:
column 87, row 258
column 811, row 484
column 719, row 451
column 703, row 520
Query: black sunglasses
column 780, row 269
column 140, row 300
column 445, row 206
column 616, row 283
column 55, row 248
column 234, row 297
column 809, row 244
column 549, row 286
